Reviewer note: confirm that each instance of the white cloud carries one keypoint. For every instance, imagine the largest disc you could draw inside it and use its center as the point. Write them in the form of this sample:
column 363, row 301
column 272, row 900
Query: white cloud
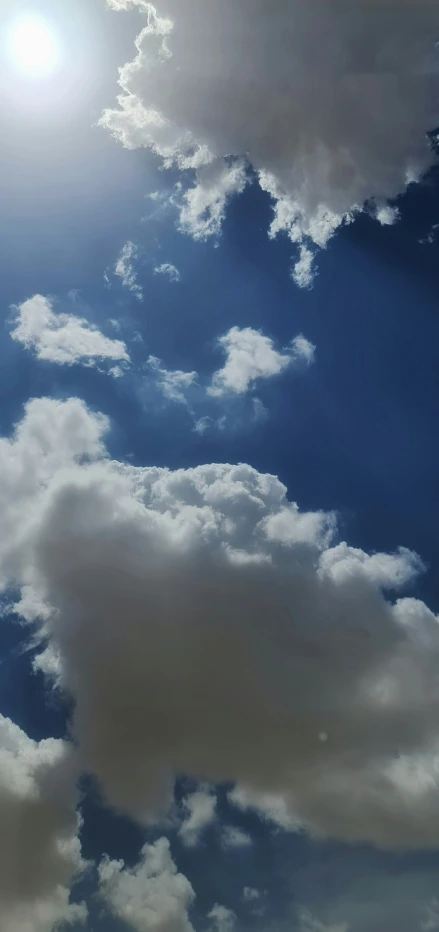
column 303, row 349
column 204, row 625
column 223, row 919
column 200, row 809
column 125, row 269
column 250, row 356
column 203, row 206
column 151, row 896
column 171, row 271
column 303, row 271
column 172, row 382
column 39, row 848
column 269, row 807
column 62, row 338
column 328, row 103
column 232, row 837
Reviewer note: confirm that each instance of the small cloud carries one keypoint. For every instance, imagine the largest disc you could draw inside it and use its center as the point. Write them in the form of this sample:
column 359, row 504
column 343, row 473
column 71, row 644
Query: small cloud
column 125, row 270
column 386, row 214
column 150, row 895
column 303, row 272
column 303, row 349
column 62, row 338
column 223, row 919
column 200, row 809
column 232, row 837
column 166, row 268
column 173, row 383
column 260, row 412
column 250, row 355
column 203, row 424
column 431, row 236
column 203, row 207
column 250, row 894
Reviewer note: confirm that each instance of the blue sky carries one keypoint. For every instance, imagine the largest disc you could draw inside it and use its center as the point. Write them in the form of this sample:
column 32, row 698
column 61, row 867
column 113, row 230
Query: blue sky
column 218, row 707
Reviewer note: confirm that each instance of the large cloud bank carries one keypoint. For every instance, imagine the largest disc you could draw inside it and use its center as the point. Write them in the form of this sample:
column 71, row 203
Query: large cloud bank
column 329, row 102
column 205, row 625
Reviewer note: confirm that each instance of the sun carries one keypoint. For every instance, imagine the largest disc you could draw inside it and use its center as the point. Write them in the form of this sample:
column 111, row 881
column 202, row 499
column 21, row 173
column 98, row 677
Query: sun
column 34, row 47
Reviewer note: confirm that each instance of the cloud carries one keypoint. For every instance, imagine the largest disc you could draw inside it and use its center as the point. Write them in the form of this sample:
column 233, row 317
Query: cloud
column 39, row 848
column 250, row 894
column 355, row 892
column 204, row 625
column 173, row 383
column 303, row 271
column 151, row 896
column 232, row 837
column 171, row 272
column 268, row 806
column 125, row 270
column 203, row 206
column 329, row 105
column 250, row 356
column 223, row 919
column 200, row 809
column 62, row 338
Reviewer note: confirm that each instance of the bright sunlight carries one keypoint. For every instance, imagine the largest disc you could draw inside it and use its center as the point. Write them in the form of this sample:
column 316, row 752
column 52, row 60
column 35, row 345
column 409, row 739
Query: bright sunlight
column 34, row 47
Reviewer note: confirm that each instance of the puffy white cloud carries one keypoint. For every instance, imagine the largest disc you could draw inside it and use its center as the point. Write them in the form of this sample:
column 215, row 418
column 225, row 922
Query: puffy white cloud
column 171, row 271
column 62, row 338
column 250, row 356
column 151, row 896
column 328, row 102
column 39, row 848
column 172, row 382
column 233, row 837
column 126, row 271
column 204, row 625
column 200, row 810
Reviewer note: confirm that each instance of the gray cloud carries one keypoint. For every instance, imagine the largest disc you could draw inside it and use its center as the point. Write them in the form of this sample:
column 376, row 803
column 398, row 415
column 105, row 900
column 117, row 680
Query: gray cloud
column 39, row 848
column 205, row 625
column 328, row 102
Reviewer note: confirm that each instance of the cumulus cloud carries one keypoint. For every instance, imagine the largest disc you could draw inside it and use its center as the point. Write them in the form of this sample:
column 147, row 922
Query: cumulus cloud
column 39, row 847
column 172, row 382
column 169, row 270
column 200, row 811
column 62, row 338
column 328, row 103
column 151, row 896
column 204, row 625
column 125, row 269
column 250, row 356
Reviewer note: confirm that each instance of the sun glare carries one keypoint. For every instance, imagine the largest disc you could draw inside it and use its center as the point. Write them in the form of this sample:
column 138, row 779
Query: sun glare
column 34, row 47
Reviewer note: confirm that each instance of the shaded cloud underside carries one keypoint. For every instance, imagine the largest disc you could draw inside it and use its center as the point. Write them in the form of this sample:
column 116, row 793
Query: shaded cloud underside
column 328, row 102
column 151, row 584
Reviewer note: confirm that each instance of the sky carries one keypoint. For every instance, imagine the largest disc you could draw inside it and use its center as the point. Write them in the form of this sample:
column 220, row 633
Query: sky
column 219, row 641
